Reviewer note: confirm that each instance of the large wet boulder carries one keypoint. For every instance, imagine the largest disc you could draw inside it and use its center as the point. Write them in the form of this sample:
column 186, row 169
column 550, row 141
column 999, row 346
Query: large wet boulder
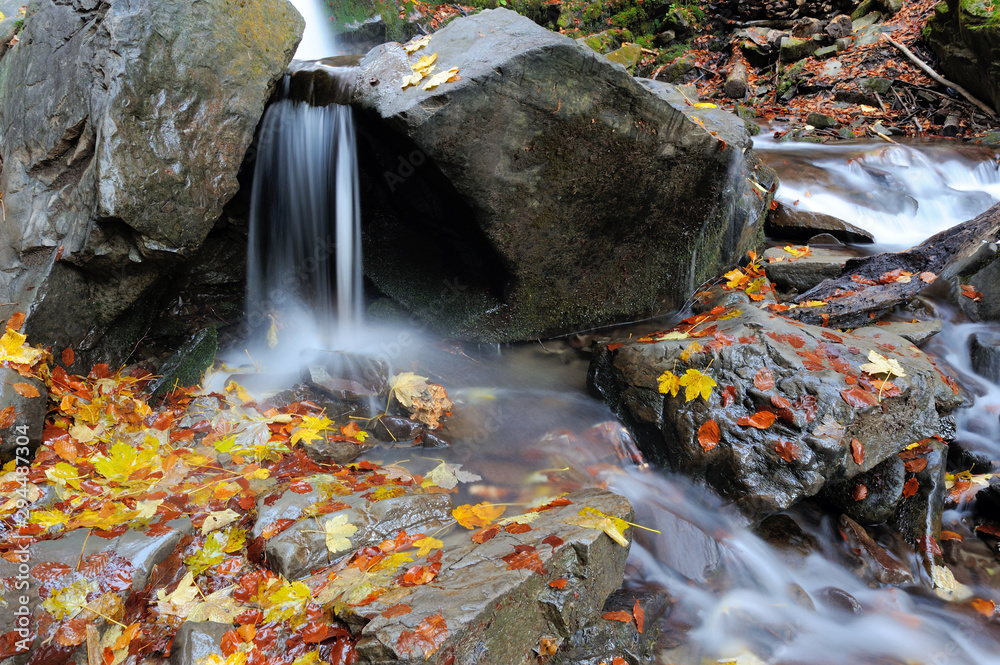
column 790, row 411
column 122, row 129
column 546, row 189
column 965, row 34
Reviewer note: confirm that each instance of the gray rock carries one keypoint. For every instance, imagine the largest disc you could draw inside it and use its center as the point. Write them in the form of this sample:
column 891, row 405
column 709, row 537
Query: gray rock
column 502, row 165
column 188, row 364
column 877, row 84
column 600, row 640
column 884, row 568
column 862, row 17
column 985, row 350
column 196, row 641
column 806, row 272
column 916, row 332
column 789, row 223
column 749, row 465
column 826, row 52
column 821, row 121
column 793, row 49
column 918, row 518
column 844, row 43
column 840, row 26
column 824, row 239
column 123, row 128
column 322, row 82
column 346, row 376
column 300, row 548
column 806, row 27
column 883, row 490
column 24, row 435
column 496, row 616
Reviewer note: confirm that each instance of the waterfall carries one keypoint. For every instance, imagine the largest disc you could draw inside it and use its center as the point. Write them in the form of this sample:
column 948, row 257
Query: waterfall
column 318, row 38
column 305, row 222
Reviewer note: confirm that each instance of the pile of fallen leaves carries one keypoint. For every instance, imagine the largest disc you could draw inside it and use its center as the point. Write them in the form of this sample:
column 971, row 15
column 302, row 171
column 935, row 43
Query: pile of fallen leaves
column 111, row 462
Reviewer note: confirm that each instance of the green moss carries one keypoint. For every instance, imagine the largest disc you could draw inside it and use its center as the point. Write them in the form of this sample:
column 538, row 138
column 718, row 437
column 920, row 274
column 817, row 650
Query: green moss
column 986, row 13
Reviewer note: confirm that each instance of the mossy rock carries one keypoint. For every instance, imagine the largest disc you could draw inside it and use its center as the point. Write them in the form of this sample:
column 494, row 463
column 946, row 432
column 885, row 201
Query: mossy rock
column 628, row 56
column 189, row 363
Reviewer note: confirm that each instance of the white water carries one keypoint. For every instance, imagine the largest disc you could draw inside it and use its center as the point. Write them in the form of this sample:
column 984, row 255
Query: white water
column 318, row 38
column 902, row 194
column 304, row 253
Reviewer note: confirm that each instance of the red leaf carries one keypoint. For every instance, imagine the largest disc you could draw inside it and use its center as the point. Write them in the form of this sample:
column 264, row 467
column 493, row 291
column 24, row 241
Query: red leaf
column 486, row 533
column 787, row 450
column 832, row 337
column 858, row 398
column 728, row 396
column 524, row 558
column 68, row 356
column 7, row 417
column 620, row 615
column 429, row 635
column 760, row 420
column 708, row 435
column 553, row 541
column 276, row 527
column 231, row 642
column 49, row 571
column 418, row 575
column 910, row 487
column 857, row 452
column 399, row 609
column 929, row 545
column 517, row 527
column 989, row 529
column 639, row 615
column 812, row 360
column 301, row 487
column 915, row 465
column 764, row 379
column 559, row 583
column 860, row 492
column 615, row 346
column 796, row 341
column 807, row 405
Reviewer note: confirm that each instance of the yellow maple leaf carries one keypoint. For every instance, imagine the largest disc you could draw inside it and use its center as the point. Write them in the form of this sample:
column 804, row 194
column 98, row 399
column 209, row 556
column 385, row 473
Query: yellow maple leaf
column 424, row 62
column 14, row 350
column 669, row 383
column 695, row 383
column 442, row 77
column 312, row 428
column 338, row 531
column 417, row 44
column 735, row 278
column 591, row 518
column 879, row 364
column 407, row 385
column 427, row 544
column 479, row 515
column 690, row 350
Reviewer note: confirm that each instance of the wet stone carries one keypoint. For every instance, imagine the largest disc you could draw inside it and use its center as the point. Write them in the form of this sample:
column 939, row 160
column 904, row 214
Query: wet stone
column 883, row 567
column 395, row 429
column 870, row 497
column 496, row 615
column 347, row 376
column 839, row 26
column 784, row 533
column 29, row 416
column 916, row 332
column 806, row 272
column 819, row 120
column 196, row 641
column 918, row 518
column 839, row 600
column 789, row 223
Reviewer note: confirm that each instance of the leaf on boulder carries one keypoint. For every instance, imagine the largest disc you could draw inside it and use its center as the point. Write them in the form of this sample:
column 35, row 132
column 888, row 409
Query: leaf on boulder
column 879, row 364
column 218, row 519
column 428, row 636
column 447, row 476
column 695, row 383
column 479, row 515
column 442, row 77
column 669, row 383
column 591, row 518
column 337, row 531
column 708, row 435
column 759, row 420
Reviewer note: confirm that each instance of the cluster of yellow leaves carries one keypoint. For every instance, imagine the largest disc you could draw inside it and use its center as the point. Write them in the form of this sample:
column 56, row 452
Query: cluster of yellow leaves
column 591, row 518
column 424, row 67
column 695, row 384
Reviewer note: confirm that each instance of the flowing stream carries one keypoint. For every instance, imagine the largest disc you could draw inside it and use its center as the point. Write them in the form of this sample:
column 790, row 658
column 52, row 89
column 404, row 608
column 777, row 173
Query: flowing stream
column 523, row 418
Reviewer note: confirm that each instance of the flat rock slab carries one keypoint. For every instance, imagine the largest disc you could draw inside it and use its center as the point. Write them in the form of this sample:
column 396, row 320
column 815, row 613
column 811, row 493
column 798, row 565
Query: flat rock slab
column 787, row 271
column 789, row 223
column 818, row 416
column 496, row 613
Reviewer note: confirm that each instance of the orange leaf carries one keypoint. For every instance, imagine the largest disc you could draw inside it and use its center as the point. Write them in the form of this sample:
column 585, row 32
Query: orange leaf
column 764, row 379
column 429, row 635
column 951, row 535
column 915, row 465
column 858, row 398
column 787, row 450
column 910, row 487
column 16, row 321
column 708, row 435
column 760, row 420
column 399, row 609
column 418, row 575
column 969, row 291
column 66, row 449
column 26, row 390
column 525, row 557
column 927, row 277
column 860, row 492
column 7, row 417
column 68, row 356
column 620, row 615
column 985, row 607
column 486, row 533
column 857, row 452
column 728, row 396
column 639, row 615
column 559, row 583
column 517, row 527
column 989, row 529
column 478, row 515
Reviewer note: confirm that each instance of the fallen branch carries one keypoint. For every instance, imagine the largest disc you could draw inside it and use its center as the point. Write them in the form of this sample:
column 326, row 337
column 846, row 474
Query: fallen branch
column 940, row 79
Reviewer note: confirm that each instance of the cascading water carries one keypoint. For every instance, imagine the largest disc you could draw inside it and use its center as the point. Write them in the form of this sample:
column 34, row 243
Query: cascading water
column 318, row 38
column 305, row 222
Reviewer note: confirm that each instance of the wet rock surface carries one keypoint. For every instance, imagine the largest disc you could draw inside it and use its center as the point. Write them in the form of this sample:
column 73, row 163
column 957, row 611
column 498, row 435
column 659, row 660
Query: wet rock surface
column 531, row 110
column 22, row 417
column 803, row 273
column 124, row 128
column 800, row 225
column 790, row 409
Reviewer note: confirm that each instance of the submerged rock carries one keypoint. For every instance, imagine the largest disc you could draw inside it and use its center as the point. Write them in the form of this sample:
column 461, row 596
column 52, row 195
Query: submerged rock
column 123, row 128
column 789, row 411
column 546, row 189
